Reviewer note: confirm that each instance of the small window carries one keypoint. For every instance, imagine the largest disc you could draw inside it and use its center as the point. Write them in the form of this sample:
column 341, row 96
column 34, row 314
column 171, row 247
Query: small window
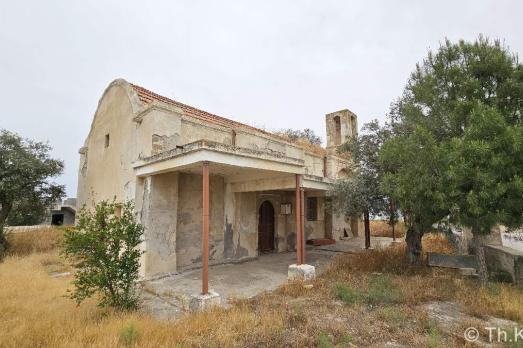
column 107, row 140
column 312, row 208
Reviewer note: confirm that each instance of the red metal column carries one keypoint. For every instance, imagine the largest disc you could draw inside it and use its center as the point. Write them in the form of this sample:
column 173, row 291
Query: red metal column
column 302, row 234
column 298, row 220
column 205, row 229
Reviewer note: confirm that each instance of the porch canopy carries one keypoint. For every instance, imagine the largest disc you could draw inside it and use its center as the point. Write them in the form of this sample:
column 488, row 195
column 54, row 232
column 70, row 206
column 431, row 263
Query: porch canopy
column 245, row 170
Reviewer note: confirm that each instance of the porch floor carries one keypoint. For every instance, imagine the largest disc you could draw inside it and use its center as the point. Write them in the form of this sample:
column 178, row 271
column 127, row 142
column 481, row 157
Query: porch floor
column 167, row 298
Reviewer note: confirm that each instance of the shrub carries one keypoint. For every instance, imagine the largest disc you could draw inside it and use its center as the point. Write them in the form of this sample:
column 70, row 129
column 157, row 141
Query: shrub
column 104, row 251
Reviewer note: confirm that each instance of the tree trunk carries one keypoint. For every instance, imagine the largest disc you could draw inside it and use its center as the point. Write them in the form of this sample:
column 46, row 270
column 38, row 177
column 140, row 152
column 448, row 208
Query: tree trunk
column 3, row 242
column 4, row 212
column 414, row 247
column 393, row 233
column 366, row 223
column 5, row 209
column 392, row 219
column 479, row 249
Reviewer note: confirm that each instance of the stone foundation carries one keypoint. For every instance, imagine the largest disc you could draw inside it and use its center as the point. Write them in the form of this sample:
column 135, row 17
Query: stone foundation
column 301, row 272
column 203, row 302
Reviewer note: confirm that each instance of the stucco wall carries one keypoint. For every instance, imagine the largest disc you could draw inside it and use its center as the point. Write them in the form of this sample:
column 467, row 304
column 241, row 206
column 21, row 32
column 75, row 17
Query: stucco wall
column 105, row 172
column 189, row 224
column 193, row 130
column 159, row 130
column 160, row 205
column 342, row 225
column 315, row 228
column 314, row 164
column 246, row 224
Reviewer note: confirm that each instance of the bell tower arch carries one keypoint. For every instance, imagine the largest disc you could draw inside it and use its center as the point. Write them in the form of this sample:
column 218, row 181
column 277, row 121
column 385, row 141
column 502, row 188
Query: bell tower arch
column 340, row 125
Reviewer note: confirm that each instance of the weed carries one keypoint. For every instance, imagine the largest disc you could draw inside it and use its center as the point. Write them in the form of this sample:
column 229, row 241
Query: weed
column 297, row 315
column 324, row 340
column 345, row 293
column 392, row 315
column 345, row 340
column 129, row 335
column 434, row 337
column 381, row 290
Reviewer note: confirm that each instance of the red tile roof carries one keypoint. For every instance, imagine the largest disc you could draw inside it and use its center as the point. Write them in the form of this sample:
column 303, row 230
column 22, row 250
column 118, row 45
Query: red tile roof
column 146, row 97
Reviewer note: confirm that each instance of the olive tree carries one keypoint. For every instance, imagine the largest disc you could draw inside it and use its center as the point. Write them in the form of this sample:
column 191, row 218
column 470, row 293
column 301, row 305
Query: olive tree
column 457, row 146
column 26, row 189
column 361, row 193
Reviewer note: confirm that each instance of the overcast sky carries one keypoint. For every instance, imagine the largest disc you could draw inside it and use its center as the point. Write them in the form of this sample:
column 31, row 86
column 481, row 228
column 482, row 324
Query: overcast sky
column 273, row 64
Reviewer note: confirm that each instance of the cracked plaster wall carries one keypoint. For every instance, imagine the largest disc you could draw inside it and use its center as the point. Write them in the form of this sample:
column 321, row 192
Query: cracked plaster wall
column 189, row 226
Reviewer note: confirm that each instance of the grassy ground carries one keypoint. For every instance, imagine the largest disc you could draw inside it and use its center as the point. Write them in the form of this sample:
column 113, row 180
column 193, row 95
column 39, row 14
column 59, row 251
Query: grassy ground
column 366, row 299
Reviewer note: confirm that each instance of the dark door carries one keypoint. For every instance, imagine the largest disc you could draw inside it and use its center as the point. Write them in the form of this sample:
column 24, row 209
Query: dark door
column 266, row 228
column 57, row 219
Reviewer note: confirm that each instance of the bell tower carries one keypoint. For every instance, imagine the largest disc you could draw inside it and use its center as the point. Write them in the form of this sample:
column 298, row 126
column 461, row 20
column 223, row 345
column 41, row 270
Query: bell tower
column 340, row 125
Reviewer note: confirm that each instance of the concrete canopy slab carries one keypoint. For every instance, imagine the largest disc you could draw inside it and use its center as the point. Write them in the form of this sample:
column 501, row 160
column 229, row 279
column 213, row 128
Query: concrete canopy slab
column 248, row 170
column 201, row 151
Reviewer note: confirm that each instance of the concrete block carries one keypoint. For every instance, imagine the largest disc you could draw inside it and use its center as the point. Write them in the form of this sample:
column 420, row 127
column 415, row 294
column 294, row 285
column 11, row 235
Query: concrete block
column 303, row 272
column 452, row 261
column 203, row 302
column 468, row 272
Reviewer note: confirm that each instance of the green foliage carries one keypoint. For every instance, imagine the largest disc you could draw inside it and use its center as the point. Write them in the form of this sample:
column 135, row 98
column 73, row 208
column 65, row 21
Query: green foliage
column 457, row 148
column 129, row 335
column 345, row 340
column 297, row 316
column 502, row 276
column 381, row 290
column 25, row 189
column 434, row 337
column 297, row 134
column 25, row 169
column 362, row 192
column 345, row 293
column 393, row 316
column 324, row 341
column 104, row 249
column 413, row 166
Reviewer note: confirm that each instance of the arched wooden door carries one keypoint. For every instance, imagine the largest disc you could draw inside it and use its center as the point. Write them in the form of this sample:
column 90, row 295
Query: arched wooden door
column 266, row 228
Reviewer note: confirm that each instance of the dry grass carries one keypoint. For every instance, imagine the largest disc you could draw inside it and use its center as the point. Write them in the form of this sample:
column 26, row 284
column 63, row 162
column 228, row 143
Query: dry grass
column 380, row 228
column 305, row 144
column 34, row 312
column 380, row 306
column 39, row 240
